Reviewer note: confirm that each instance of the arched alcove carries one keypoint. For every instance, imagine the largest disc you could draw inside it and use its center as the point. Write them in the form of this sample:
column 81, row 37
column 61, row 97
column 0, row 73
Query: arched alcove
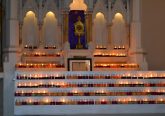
column 50, row 30
column 119, row 31
column 30, row 29
column 100, row 6
column 100, row 30
column 78, row 5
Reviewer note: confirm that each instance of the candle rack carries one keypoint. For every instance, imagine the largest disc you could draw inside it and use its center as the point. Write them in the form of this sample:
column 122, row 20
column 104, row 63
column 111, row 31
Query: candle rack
column 48, row 89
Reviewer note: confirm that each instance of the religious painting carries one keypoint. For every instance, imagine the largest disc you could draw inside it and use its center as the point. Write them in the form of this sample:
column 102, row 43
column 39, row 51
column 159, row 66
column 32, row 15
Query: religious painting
column 77, row 38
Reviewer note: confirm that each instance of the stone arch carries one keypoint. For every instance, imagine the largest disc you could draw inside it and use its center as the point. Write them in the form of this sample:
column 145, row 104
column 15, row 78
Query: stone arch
column 100, row 35
column 100, row 7
column 50, row 5
column 50, row 32
column 30, row 5
column 30, row 29
column 119, row 31
column 119, row 8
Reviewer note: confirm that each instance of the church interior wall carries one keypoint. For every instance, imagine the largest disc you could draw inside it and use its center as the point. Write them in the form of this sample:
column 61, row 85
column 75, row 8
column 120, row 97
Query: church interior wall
column 153, row 27
column 153, row 33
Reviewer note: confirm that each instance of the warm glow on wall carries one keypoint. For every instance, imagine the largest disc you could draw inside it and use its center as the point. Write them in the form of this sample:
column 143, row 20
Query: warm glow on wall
column 30, row 13
column 100, row 15
column 50, row 14
column 119, row 16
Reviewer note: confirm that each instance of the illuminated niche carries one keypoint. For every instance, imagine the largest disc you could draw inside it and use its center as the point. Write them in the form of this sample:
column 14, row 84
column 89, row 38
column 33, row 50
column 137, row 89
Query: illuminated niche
column 30, row 29
column 50, row 30
column 119, row 31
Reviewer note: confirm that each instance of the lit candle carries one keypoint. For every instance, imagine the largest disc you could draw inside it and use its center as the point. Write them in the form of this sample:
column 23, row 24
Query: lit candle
column 47, row 101
column 103, row 101
column 30, row 102
column 63, row 101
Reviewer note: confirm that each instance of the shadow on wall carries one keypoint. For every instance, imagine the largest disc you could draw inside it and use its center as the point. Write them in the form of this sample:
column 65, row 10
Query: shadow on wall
column 153, row 32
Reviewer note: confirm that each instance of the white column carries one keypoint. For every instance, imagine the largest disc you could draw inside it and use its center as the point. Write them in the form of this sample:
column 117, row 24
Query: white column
column 109, row 23
column 109, row 12
column 40, row 26
column 136, row 25
column 10, row 53
column 13, row 27
column 136, row 52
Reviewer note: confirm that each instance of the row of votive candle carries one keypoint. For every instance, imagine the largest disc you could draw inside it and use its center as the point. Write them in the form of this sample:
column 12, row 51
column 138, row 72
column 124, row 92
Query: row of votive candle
column 101, row 47
column 39, row 54
column 50, row 47
column 30, row 47
column 39, row 65
column 66, row 85
column 36, row 76
column 119, row 47
column 95, row 93
column 55, row 76
column 110, row 55
column 89, row 102
column 35, row 47
column 115, row 47
column 116, row 65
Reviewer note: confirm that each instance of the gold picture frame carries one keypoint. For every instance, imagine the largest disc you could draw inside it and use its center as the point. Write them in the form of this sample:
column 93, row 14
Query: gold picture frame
column 79, row 64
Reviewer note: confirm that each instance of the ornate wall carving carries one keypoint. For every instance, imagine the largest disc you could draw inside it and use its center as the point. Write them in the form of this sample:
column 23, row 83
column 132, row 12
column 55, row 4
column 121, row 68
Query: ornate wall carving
column 60, row 8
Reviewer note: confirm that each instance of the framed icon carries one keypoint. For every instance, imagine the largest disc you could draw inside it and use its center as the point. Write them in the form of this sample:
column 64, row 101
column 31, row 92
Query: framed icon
column 75, row 64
